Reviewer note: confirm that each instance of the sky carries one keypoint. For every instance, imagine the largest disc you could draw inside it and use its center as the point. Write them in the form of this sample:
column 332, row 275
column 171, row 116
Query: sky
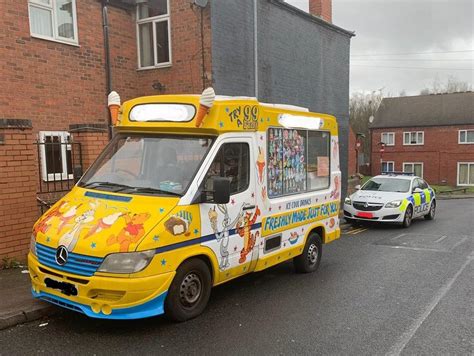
column 406, row 45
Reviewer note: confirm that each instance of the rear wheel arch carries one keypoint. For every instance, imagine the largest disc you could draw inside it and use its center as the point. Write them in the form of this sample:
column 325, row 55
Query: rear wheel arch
column 320, row 230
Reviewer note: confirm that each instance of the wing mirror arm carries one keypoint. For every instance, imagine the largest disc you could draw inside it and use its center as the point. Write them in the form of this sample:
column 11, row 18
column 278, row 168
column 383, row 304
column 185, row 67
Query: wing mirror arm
column 220, row 193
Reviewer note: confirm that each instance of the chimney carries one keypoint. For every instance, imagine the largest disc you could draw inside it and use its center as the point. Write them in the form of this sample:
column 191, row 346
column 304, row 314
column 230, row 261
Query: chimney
column 321, row 8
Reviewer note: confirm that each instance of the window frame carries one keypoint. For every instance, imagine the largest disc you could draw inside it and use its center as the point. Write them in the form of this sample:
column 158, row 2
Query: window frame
column 54, row 23
column 153, row 20
column 469, row 165
column 405, row 143
column 306, row 160
column 388, row 162
column 465, row 142
column 413, row 170
column 55, row 177
column 388, row 134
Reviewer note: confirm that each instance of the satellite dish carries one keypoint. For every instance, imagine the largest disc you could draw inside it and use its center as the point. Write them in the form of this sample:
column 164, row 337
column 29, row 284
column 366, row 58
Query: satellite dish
column 371, row 118
column 200, row 3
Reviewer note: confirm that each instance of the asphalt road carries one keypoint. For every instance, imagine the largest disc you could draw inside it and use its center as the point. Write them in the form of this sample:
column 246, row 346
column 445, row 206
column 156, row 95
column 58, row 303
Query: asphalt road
column 379, row 290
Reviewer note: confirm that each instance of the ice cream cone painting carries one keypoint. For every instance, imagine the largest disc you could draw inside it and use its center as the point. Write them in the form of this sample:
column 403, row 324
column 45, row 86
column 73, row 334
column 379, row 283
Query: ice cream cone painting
column 205, row 103
column 114, row 105
column 260, row 164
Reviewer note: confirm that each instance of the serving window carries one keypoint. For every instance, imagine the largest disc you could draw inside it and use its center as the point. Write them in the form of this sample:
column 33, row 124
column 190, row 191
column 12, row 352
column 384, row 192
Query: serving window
column 298, row 161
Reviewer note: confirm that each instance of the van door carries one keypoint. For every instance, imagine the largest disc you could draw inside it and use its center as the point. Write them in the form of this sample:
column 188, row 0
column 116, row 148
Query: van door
column 231, row 229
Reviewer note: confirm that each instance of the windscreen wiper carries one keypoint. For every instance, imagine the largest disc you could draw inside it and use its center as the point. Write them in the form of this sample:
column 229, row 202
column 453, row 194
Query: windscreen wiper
column 107, row 184
column 155, row 190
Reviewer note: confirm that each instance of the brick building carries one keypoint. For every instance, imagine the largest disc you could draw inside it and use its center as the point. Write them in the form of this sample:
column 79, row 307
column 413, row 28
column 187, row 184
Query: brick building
column 431, row 135
column 60, row 58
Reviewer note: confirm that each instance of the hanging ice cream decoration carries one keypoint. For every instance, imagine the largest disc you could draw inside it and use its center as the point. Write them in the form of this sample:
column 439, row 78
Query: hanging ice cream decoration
column 205, row 103
column 113, row 101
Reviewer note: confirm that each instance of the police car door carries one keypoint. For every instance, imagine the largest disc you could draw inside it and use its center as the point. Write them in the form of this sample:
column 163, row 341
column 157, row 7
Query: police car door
column 418, row 198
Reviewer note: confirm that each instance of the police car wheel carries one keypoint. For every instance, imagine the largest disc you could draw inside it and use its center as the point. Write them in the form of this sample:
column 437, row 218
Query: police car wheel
column 432, row 212
column 190, row 291
column 408, row 216
column 310, row 259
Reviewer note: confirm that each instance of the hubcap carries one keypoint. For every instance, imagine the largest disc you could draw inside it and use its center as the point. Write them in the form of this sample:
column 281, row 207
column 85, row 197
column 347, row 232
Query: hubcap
column 313, row 254
column 190, row 289
column 408, row 217
column 433, row 209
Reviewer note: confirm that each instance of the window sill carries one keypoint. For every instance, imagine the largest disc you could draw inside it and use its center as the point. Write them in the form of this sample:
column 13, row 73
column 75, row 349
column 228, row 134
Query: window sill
column 413, row 144
column 164, row 65
column 45, row 38
column 466, row 143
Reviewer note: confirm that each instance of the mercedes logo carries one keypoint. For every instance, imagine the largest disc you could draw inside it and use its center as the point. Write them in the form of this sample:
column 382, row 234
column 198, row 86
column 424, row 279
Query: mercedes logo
column 61, row 255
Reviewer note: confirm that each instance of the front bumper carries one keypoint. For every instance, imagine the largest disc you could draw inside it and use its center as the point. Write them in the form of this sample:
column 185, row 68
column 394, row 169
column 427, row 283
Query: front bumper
column 102, row 296
column 388, row 215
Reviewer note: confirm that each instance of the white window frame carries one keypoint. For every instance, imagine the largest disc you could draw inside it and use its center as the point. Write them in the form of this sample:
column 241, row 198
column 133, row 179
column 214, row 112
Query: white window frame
column 52, row 8
column 50, row 177
column 405, row 143
column 413, row 167
column 388, row 163
column 469, row 165
column 388, row 134
column 466, row 142
column 154, row 20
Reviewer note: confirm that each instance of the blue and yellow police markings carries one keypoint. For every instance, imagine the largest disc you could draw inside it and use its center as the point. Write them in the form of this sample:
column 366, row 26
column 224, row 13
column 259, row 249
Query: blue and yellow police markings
column 291, row 219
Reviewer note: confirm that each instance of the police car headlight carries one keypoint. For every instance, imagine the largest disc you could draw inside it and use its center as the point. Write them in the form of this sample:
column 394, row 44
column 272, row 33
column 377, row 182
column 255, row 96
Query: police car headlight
column 126, row 262
column 393, row 204
column 33, row 244
column 348, row 201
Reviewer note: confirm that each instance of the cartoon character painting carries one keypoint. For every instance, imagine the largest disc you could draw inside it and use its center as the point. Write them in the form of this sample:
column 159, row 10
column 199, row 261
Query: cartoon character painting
column 45, row 223
column 132, row 232
column 69, row 239
column 67, row 217
column 336, row 191
column 244, row 229
column 103, row 224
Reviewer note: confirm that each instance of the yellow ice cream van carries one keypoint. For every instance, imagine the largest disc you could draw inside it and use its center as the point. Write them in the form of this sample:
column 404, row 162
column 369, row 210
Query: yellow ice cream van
column 191, row 192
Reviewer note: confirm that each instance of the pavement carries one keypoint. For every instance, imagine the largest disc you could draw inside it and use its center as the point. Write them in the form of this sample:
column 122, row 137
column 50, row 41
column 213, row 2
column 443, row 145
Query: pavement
column 379, row 290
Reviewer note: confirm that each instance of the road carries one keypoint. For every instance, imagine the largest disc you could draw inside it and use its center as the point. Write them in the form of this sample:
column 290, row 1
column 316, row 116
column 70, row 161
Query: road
column 379, row 290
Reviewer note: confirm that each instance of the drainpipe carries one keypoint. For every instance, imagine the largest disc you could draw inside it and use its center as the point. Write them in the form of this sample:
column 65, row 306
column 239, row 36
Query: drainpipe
column 108, row 69
column 255, row 46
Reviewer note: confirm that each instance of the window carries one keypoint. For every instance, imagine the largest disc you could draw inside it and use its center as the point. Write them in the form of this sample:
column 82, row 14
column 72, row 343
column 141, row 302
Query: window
column 388, row 138
column 415, row 168
column 53, row 20
column 55, row 156
column 318, row 160
column 388, row 166
column 413, row 138
column 466, row 173
column 232, row 161
column 153, row 34
column 466, row 136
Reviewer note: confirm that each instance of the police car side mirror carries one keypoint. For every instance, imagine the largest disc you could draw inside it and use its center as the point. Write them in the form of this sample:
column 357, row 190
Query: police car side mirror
column 221, row 190
column 357, row 187
column 417, row 190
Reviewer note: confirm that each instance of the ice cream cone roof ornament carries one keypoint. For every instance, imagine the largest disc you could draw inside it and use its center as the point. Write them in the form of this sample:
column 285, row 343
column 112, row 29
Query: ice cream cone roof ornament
column 205, row 103
column 113, row 101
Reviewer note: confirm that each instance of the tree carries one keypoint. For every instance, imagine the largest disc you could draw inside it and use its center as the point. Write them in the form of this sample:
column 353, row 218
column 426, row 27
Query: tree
column 452, row 85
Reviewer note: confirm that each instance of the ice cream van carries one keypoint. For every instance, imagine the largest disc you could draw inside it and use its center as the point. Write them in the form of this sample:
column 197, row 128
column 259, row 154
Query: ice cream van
column 191, row 192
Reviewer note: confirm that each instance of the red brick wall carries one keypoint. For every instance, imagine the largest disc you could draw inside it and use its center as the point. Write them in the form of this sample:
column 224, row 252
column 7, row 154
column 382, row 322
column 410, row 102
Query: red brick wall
column 18, row 209
column 439, row 154
column 321, row 8
column 92, row 144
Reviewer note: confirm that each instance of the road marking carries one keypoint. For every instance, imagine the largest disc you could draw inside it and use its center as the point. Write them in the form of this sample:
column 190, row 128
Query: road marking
column 397, row 237
column 441, row 239
column 408, row 335
column 357, row 231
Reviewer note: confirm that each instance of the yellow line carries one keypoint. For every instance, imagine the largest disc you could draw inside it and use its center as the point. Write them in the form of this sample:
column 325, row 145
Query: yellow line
column 358, row 231
column 354, row 230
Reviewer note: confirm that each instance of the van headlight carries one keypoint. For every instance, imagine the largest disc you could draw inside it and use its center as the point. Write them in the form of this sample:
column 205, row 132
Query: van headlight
column 348, row 201
column 126, row 262
column 393, row 204
column 33, row 244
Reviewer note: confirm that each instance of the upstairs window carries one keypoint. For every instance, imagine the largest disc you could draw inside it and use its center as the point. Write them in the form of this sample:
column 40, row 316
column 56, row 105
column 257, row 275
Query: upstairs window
column 153, row 33
column 388, row 166
column 413, row 138
column 53, row 20
column 466, row 136
column 388, row 138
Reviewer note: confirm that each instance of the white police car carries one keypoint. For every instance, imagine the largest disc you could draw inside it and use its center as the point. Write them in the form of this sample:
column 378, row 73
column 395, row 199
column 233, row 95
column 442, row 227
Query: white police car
column 391, row 198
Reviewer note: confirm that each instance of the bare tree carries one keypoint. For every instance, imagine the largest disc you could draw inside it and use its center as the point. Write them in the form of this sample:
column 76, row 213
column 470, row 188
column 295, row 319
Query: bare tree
column 452, row 85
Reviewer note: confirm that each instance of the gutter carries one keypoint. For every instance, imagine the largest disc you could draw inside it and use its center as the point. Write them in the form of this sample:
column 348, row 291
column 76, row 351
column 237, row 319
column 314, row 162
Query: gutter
column 108, row 69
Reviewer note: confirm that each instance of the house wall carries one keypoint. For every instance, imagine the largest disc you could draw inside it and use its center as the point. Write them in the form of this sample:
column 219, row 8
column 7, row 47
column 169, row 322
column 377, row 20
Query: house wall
column 352, row 153
column 440, row 152
column 301, row 59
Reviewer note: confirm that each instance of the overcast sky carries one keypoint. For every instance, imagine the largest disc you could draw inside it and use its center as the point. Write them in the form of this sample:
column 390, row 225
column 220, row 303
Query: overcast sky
column 387, row 27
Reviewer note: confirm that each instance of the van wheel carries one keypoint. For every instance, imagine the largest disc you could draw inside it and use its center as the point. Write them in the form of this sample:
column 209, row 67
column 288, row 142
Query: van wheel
column 190, row 291
column 309, row 260
column 432, row 212
column 408, row 217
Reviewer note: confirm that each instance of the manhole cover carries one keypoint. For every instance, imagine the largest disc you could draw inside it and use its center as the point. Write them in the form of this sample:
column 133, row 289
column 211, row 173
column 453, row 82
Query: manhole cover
column 442, row 243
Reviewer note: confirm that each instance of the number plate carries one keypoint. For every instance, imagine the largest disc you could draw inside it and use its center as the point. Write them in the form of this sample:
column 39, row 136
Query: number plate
column 365, row 215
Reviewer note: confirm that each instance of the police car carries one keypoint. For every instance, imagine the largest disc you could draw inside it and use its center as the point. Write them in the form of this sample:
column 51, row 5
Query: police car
column 393, row 197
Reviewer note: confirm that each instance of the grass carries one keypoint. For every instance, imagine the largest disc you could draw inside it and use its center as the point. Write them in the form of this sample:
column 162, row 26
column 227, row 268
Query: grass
column 446, row 188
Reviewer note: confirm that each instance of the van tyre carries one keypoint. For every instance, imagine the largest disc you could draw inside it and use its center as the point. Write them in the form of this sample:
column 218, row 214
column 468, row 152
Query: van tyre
column 407, row 219
column 190, row 291
column 310, row 259
column 432, row 212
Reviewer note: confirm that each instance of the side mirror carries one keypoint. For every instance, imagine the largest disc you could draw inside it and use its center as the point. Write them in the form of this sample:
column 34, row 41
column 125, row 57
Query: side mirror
column 417, row 190
column 221, row 191
column 357, row 187
column 77, row 173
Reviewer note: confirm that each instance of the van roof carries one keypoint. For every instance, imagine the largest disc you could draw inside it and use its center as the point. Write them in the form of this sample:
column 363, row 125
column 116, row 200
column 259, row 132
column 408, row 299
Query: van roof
column 228, row 114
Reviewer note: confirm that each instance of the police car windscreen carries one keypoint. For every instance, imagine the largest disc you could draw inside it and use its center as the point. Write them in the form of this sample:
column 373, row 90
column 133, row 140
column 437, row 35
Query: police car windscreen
column 387, row 185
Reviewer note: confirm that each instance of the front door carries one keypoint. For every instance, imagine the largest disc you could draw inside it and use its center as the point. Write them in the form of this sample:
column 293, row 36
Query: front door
column 230, row 229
